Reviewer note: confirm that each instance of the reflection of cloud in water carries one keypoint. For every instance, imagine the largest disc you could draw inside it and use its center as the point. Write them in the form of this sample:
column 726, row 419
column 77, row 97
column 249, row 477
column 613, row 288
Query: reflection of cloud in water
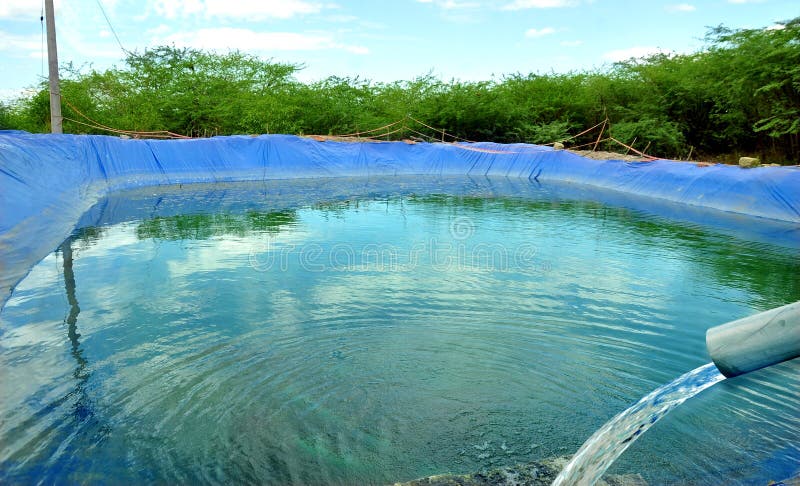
column 115, row 240
column 229, row 253
column 21, row 377
column 44, row 333
column 42, row 278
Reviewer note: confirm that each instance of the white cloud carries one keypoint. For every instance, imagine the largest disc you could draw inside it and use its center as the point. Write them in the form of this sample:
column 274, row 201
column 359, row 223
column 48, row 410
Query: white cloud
column 463, row 12
column 680, row 7
column 776, row 27
column 369, row 24
column 11, row 94
column 160, row 30
column 251, row 10
column 356, row 49
column 172, row 9
column 525, row 4
column 16, row 43
column 23, row 9
column 248, row 40
column 78, row 32
column 632, row 52
column 452, row 4
column 532, row 33
column 340, row 18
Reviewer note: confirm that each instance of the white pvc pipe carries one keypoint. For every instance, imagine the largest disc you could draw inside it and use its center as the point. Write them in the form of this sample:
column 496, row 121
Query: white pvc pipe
column 756, row 341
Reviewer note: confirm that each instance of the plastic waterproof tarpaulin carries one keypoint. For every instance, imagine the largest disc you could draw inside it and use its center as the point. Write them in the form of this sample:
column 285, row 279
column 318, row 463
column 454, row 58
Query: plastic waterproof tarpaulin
column 48, row 181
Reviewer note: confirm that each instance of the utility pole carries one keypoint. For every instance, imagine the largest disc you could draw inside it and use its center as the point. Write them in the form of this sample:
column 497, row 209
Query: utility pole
column 52, row 64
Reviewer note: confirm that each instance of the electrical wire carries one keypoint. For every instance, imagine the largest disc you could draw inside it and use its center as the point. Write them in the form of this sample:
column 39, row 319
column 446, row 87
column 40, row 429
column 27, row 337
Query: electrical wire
column 113, row 31
column 41, row 19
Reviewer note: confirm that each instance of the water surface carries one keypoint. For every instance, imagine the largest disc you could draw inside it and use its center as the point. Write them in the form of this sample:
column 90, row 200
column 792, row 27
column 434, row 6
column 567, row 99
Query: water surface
column 295, row 332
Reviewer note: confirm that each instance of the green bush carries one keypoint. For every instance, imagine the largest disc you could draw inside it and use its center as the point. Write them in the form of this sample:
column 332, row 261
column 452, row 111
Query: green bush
column 739, row 94
column 545, row 133
column 658, row 136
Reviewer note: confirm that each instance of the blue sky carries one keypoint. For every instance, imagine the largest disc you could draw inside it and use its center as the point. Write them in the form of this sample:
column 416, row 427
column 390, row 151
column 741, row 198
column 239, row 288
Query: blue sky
column 377, row 40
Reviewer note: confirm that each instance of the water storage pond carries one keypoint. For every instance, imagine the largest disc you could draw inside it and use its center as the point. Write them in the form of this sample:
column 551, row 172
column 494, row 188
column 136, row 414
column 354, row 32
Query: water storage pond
column 361, row 331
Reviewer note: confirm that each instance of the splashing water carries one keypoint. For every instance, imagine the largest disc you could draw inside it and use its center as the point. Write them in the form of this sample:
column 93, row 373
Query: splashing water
column 610, row 441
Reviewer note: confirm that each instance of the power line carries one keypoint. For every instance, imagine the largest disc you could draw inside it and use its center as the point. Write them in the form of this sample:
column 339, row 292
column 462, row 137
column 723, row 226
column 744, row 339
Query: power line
column 41, row 19
column 100, row 4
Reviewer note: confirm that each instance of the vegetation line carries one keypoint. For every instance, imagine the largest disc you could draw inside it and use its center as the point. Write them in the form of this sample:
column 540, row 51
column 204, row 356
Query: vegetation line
column 739, row 95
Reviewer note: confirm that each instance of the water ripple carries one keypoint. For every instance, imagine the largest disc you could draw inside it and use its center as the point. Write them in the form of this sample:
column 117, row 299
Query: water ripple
column 187, row 364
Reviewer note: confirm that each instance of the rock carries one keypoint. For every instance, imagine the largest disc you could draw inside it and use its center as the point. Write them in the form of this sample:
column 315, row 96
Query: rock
column 749, row 162
column 558, row 146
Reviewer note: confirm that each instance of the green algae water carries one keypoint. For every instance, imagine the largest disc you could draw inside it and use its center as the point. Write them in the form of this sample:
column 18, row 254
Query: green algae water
column 373, row 331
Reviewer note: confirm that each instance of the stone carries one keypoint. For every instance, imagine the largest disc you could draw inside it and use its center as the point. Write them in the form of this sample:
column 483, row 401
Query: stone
column 749, row 162
column 558, row 146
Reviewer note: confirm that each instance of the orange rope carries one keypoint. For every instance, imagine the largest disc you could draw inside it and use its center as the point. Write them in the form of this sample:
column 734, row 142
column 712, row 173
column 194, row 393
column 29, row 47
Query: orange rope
column 578, row 135
column 98, row 125
column 356, row 134
column 424, row 135
column 600, row 135
column 387, row 133
column 464, row 147
column 113, row 130
column 595, row 143
column 590, row 143
column 633, row 149
column 586, row 131
column 167, row 134
column 439, row 131
column 612, row 139
column 91, row 126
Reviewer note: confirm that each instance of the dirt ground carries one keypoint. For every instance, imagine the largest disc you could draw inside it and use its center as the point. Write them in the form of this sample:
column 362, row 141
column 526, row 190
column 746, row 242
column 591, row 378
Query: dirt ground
column 599, row 155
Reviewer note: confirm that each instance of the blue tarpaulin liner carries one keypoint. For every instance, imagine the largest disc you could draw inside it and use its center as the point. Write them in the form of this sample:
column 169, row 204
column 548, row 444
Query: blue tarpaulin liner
column 47, row 182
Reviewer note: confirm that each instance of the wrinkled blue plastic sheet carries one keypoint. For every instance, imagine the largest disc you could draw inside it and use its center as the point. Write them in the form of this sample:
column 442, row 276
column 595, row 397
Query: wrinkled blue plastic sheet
column 48, row 182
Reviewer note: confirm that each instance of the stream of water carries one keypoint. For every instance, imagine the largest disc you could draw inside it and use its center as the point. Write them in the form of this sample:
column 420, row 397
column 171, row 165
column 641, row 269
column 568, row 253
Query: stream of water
column 611, row 440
